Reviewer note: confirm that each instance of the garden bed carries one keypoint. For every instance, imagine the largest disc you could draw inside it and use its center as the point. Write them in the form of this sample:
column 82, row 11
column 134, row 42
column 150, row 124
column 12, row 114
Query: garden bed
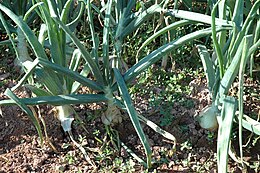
column 20, row 150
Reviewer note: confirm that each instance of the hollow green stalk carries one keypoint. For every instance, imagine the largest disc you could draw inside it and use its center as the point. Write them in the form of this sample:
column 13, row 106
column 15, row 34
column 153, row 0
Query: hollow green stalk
column 215, row 41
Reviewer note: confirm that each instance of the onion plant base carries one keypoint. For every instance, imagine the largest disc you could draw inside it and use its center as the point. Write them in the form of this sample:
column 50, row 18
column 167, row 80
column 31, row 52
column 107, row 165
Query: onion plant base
column 208, row 118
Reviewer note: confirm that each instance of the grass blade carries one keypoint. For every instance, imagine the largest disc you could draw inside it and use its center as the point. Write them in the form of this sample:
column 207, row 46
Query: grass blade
column 162, row 31
column 132, row 114
column 46, row 76
column 225, row 125
column 92, row 31
column 93, row 66
column 136, row 22
column 256, row 38
column 32, row 39
column 238, row 14
column 231, row 72
column 202, row 18
column 26, row 15
column 74, row 65
column 30, row 114
column 106, row 42
column 59, row 100
column 133, row 154
column 56, row 36
column 241, row 89
column 3, row 21
column 215, row 41
column 72, row 74
column 207, row 65
column 27, row 75
column 252, row 14
column 76, row 85
column 222, row 10
column 65, row 11
column 156, row 55
column 79, row 13
column 38, row 91
column 250, row 124
column 75, row 60
column 157, row 129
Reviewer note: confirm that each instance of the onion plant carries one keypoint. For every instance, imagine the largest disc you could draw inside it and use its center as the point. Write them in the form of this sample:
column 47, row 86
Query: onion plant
column 46, row 82
column 56, row 77
column 233, row 49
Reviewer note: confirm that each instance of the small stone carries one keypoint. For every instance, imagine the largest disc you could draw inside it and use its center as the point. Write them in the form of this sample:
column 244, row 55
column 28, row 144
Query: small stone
column 203, row 160
column 60, row 168
column 4, row 76
column 123, row 152
column 171, row 164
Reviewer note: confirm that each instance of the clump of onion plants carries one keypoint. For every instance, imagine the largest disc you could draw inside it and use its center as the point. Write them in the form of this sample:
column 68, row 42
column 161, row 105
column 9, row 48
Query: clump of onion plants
column 54, row 76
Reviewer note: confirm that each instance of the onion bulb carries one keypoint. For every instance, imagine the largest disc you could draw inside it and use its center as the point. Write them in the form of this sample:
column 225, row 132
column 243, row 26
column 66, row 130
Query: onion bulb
column 208, row 118
column 65, row 115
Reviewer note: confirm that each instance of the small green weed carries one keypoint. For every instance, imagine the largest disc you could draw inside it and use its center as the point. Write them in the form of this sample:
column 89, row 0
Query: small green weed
column 186, row 145
column 163, row 89
column 2, row 83
column 70, row 158
column 211, row 136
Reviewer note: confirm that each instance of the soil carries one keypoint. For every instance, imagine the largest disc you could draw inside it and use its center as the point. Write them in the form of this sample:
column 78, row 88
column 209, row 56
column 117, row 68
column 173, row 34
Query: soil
column 21, row 151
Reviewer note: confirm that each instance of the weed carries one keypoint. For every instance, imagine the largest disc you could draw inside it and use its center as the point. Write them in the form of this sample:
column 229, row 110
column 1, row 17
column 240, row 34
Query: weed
column 186, row 145
column 211, row 136
column 164, row 89
column 70, row 158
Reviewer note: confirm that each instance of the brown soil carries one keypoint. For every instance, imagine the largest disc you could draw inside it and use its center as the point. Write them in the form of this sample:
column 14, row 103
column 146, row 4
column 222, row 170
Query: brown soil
column 20, row 149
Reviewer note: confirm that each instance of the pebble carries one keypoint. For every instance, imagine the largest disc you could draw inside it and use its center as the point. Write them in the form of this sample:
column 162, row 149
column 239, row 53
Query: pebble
column 203, row 160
